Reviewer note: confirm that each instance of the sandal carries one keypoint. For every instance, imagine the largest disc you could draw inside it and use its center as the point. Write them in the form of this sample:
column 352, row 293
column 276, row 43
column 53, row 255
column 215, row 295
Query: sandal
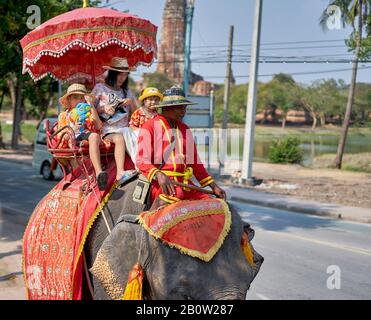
column 102, row 180
column 127, row 176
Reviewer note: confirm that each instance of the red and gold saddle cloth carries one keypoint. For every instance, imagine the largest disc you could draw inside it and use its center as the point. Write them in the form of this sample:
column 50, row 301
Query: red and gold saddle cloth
column 197, row 228
column 55, row 235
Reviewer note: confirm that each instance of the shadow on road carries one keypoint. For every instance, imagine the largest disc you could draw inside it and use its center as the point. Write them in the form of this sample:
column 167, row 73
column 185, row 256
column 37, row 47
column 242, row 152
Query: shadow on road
column 10, row 230
column 11, row 253
column 10, row 276
column 276, row 220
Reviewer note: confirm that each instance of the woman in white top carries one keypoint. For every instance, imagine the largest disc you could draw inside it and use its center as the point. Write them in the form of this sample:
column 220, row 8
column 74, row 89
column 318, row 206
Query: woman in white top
column 115, row 104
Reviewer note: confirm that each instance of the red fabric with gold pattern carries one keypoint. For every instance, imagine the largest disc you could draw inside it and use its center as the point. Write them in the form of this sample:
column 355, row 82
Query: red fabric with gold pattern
column 55, row 235
column 80, row 42
column 197, row 228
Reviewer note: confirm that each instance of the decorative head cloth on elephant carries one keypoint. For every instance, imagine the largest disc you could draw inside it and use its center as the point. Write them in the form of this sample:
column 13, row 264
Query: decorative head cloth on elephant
column 167, row 153
column 132, row 264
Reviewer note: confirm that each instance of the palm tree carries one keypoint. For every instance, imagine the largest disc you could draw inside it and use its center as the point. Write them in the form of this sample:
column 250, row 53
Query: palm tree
column 352, row 11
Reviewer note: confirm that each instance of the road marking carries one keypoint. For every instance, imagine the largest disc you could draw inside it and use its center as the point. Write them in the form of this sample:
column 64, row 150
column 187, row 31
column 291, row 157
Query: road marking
column 259, row 295
column 325, row 243
column 262, row 296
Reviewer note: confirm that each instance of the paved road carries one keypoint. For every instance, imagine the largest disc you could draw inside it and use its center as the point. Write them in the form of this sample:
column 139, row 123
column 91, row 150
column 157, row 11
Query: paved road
column 21, row 188
column 11, row 276
column 304, row 253
column 298, row 248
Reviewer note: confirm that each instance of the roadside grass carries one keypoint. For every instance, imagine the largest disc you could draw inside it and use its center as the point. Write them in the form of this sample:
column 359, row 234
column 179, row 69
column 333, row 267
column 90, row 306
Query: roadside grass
column 358, row 162
column 28, row 132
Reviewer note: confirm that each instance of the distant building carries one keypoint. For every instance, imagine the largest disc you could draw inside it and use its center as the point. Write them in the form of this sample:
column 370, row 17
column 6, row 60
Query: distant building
column 171, row 46
column 202, row 88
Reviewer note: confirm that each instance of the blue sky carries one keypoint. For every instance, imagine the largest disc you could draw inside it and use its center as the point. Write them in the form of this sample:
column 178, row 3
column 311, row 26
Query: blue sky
column 283, row 22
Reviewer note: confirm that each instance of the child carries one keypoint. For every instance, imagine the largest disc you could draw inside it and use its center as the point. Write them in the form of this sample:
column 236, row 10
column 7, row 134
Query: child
column 77, row 96
column 114, row 105
column 149, row 97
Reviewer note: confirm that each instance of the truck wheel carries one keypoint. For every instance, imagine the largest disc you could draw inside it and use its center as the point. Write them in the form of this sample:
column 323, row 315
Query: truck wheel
column 46, row 171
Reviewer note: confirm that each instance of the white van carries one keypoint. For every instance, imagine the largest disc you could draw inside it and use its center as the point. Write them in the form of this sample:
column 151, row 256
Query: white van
column 42, row 158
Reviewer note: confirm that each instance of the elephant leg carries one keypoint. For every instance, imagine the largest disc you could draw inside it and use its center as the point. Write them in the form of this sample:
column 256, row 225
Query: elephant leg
column 99, row 292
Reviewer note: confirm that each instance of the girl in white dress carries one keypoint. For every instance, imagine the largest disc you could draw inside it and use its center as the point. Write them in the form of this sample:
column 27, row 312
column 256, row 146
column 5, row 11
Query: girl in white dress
column 115, row 104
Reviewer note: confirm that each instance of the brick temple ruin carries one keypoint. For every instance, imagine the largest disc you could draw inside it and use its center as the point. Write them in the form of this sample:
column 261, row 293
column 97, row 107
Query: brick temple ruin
column 171, row 48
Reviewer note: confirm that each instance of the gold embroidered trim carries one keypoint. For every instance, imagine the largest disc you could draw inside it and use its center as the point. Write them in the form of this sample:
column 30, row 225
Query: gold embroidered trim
column 85, row 30
column 89, row 225
column 193, row 253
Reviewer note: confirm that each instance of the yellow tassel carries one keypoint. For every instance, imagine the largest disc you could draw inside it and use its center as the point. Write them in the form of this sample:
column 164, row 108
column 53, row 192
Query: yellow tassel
column 246, row 248
column 133, row 290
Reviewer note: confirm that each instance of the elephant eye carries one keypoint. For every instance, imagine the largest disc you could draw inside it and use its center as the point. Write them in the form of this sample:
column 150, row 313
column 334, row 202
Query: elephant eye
column 181, row 293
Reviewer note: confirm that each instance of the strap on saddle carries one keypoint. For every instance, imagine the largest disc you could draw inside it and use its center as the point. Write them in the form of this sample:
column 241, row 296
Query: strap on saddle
column 130, row 218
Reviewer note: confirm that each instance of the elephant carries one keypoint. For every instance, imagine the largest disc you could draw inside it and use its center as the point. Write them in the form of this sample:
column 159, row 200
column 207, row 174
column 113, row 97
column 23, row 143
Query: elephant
column 169, row 274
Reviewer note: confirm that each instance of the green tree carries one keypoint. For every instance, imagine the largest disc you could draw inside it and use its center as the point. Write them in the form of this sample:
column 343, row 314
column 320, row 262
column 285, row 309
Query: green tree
column 13, row 27
column 3, row 88
column 277, row 94
column 237, row 104
column 157, row 80
column 362, row 102
column 320, row 98
column 357, row 14
column 282, row 93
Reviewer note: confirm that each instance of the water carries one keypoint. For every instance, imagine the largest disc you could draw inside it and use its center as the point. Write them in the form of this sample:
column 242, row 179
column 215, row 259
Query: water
column 315, row 146
column 312, row 145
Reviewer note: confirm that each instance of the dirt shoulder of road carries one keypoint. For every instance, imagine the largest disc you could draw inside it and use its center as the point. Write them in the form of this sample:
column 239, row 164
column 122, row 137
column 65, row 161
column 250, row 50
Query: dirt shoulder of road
column 11, row 275
column 322, row 185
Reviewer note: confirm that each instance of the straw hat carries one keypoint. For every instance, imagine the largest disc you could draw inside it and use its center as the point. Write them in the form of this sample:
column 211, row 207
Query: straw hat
column 119, row 64
column 150, row 92
column 75, row 88
column 174, row 97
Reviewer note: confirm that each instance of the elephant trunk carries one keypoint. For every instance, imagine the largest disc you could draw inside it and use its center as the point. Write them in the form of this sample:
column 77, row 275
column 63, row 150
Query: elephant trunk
column 228, row 294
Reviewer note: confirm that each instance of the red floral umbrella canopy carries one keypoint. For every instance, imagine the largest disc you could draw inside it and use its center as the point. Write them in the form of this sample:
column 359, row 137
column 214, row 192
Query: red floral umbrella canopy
column 78, row 43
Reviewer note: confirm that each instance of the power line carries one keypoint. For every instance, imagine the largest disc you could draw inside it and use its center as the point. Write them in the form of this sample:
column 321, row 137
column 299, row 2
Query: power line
column 281, row 60
column 206, row 50
column 272, row 43
column 291, row 73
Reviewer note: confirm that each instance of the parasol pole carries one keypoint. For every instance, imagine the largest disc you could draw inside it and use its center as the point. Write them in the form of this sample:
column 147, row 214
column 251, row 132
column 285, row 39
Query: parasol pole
column 93, row 69
column 59, row 96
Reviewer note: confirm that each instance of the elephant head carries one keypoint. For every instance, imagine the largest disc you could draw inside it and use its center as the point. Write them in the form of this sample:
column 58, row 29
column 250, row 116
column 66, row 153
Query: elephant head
column 170, row 274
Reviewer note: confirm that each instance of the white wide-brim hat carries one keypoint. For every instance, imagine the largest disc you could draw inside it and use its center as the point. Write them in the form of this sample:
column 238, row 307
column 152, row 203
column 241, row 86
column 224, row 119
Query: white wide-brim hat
column 119, row 64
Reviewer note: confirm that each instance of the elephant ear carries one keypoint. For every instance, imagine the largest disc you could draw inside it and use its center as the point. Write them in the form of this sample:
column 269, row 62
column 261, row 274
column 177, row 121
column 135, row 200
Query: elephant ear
column 103, row 271
column 116, row 258
column 252, row 256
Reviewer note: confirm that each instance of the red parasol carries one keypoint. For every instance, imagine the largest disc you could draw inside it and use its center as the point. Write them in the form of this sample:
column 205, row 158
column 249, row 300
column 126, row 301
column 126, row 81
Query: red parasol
column 79, row 42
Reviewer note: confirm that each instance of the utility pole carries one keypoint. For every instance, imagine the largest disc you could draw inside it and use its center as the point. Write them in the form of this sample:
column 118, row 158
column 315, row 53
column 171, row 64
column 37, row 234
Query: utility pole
column 211, row 126
column 187, row 49
column 248, row 149
column 227, row 85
